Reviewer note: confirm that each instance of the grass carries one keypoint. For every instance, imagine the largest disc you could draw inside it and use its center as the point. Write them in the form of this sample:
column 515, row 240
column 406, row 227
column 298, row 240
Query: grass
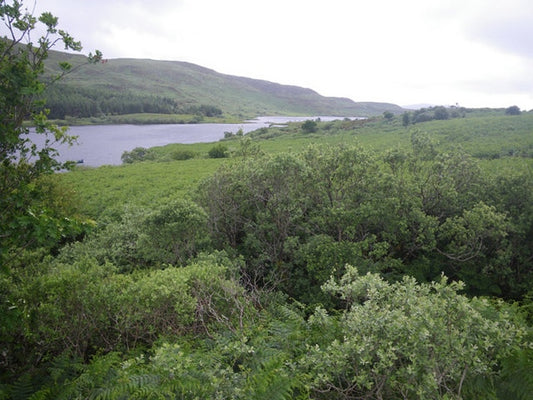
column 107, row 189
column 501, row 143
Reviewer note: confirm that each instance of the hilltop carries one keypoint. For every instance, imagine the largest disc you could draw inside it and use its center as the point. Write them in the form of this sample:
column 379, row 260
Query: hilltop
column 126, row 86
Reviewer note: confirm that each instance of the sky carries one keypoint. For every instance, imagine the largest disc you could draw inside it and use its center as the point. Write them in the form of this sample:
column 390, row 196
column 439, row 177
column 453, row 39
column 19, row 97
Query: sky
column 471, row 53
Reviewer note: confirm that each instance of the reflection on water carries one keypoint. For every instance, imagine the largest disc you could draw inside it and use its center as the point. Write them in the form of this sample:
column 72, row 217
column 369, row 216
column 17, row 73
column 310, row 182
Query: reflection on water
column 104, row 144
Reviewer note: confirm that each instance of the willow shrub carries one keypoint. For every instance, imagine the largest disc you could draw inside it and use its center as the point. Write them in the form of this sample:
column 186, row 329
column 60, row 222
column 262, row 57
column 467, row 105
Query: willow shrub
column 408, row 340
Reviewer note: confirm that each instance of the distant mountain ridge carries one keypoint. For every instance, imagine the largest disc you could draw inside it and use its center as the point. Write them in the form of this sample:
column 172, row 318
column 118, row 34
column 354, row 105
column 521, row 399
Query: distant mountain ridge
column 192, row 85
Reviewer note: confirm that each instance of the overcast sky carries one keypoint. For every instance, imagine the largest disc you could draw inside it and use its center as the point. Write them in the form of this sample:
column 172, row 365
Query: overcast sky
column 474, row 53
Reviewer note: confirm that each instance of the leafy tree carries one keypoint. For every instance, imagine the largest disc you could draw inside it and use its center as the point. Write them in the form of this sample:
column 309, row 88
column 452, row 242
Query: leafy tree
column 513, row 110
column 408, row 340
column 441, row 113
column 22, row 224
column 309, row 126
column 388, row 115
column 406, row 119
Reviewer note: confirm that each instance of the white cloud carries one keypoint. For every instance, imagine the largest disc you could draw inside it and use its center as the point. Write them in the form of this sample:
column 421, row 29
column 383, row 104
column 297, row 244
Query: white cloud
column 415, row 51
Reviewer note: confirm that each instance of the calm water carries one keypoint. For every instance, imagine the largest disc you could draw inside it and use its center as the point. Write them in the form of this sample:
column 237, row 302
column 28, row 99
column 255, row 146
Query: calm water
column 104, row 144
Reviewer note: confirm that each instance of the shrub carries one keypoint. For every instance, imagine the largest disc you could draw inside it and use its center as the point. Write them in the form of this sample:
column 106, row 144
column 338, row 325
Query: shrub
column 183, row 155
column 218, row 151
column 513, row 110
column 309, row 126
column 409, row 340
column 136, row 155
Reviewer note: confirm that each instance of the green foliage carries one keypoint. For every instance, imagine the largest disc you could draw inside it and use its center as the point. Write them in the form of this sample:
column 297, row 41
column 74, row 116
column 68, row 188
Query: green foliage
column 64, row 101
column 407, row 340
column 84, row 308
column 432, row 113
column 218, row 151
column 388, row 115
column 406, row 119
column 441, row 113
column 516, row 380
column 309, row 126
column 174, row 233
column 401, row 340
column 136, row 155
column 296, row 217
column 513, row 110
column 249, row 292
column 23, row 224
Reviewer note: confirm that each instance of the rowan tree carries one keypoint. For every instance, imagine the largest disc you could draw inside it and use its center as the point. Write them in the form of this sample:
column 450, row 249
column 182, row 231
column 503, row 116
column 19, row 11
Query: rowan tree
column 25, row 221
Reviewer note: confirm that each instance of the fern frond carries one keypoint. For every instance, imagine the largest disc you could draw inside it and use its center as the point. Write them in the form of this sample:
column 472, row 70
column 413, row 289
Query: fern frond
column 22, row 388
column 43, row 394
column 271, row 382
column 516, row 381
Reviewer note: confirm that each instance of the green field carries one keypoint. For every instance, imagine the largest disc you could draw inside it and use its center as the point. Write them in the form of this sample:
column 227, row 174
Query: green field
column 497, row 141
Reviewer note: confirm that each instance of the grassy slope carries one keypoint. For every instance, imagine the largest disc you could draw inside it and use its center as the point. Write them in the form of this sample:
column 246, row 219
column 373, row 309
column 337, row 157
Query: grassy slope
column 146, row 183
column 192, row 84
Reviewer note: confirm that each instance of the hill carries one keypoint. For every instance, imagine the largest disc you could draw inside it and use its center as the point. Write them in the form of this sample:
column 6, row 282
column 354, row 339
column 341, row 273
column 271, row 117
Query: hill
column 124, row 86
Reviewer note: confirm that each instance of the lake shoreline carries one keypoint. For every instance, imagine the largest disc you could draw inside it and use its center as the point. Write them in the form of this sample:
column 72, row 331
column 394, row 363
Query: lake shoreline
column 104, row 144
column 162, row 119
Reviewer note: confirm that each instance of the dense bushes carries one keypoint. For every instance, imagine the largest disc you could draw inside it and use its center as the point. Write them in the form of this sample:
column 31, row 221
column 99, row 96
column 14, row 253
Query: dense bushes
column 172, row 233
column 296, row 217
column 218, row 151
column 409, row 340
column 85, row 307
column 401, row 340
column 249, row 292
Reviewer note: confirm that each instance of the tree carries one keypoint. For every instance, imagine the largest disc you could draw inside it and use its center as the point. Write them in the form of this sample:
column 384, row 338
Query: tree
column 441, row 113
column 22, row 80
column 406, row 119
column 513, row 110
column 309, row 126
column 388, row 115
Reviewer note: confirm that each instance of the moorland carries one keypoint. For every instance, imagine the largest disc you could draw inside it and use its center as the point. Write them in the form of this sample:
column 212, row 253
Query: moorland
column 384, row 258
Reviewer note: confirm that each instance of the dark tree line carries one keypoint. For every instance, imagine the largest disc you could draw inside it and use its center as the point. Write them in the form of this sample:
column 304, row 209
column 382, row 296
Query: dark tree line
column 64, row 100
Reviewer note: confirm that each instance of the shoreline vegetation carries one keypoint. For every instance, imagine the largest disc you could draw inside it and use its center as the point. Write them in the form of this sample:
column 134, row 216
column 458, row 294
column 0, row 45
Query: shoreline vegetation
column 147, row 119
column 409, row 117
column 486, row 134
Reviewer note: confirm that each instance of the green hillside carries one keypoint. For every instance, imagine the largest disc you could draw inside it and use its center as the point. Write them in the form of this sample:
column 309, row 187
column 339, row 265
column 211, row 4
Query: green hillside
column 173, row 87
